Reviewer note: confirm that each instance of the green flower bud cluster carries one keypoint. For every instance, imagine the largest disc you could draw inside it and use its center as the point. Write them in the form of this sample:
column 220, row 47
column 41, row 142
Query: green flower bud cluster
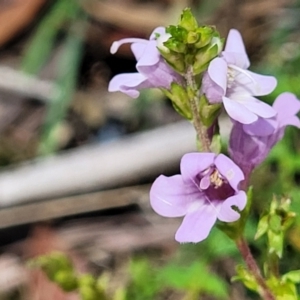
column 190, row 45
column 275, row 223
column 60, row 270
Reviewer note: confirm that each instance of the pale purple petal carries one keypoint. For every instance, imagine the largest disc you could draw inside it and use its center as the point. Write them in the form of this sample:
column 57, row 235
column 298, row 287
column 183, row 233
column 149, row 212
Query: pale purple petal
column 265, row 84
column 151, row 56
column 159, row 75
column 258, row 107
column 217, row 71
column 235, row 44
column 153, row 71
column 117, row 44
column 159, row 30
column 294, row 121
column 227, row 213
column 238, row 112
column 287, row 105
column 245, row 150
column 249, row 83
column 236, row 59
column 212, row 91
column 262, row 127
column 229, row 170
column 194, row 163
column 138, row 49
column 128, row 83
column 171, row 197
column 197, row 225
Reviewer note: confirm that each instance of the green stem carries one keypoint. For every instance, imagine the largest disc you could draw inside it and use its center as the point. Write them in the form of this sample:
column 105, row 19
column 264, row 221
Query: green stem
column 199, row 127
column 254, row 269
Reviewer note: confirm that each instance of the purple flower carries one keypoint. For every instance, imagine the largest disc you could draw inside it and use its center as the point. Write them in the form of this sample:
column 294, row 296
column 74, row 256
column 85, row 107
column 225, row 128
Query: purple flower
column 153, row 71
column 249, row 145
column 228, row 80
column 206, row 190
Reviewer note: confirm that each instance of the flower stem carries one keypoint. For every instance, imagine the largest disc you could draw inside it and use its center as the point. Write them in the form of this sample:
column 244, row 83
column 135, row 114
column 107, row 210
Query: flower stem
column 199, row 127
column 253, row 268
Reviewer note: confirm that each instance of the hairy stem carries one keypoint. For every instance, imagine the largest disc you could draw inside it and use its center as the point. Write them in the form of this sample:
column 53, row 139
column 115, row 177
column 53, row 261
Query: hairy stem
column 254, row 269
column 199, row 127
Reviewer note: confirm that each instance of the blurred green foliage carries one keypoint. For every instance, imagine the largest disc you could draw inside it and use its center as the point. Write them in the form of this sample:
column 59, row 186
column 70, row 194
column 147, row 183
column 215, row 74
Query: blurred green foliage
column 65, row 18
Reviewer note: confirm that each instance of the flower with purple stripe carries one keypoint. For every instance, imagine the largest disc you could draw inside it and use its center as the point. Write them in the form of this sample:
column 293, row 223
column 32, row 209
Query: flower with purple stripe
column 229, row 81
column 207, row 190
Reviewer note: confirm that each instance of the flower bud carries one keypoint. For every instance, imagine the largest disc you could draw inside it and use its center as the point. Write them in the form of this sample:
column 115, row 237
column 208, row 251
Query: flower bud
column 208, row 112
column 206, row 54
column 206, row 34
column 187, row 20
column 180, row 100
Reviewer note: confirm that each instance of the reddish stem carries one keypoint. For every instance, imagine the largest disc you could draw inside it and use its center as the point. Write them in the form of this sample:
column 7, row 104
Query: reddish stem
column 254, row 269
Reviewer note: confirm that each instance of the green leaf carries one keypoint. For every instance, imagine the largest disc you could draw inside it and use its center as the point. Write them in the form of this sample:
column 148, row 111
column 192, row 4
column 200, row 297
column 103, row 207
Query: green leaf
column 285, row 291
column 144, row 283
column 246, row 278
column 194, row 278
column 39, row 49
column 66, row 80
column 293, row 276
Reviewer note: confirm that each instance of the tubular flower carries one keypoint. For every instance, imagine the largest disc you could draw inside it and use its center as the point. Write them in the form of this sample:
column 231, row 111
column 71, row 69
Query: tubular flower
column 228, row 80
column 153, row 71
column 249, row 145
column 206, row 190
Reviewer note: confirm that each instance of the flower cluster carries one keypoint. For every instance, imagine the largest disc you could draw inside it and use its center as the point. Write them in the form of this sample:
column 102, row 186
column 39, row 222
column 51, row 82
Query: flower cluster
column 187, row 63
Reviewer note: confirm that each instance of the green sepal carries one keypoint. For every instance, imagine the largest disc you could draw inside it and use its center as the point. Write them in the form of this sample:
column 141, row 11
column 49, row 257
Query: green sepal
column 178, row 33
column 180, row 100
column 174, row 59
column 216, row 144
column 275, row 242
column 187, row 20
column 203, row 57
column 246, row 278
column 275, row 223
column 192, row 37
column 262, row 227
column 206, row 34
column 175, row 45
column 208, row 112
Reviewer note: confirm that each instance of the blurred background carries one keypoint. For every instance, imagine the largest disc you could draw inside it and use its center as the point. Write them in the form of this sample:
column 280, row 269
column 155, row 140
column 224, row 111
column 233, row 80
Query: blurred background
column 77, row 162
